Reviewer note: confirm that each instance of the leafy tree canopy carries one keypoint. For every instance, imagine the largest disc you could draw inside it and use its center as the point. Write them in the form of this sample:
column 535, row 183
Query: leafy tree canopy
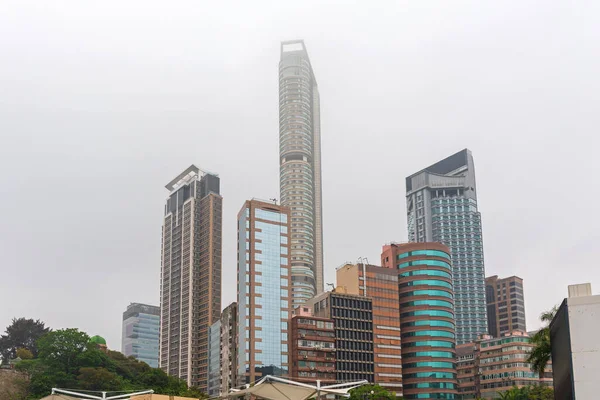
column 372, row 392
column 528, row 393
column 67, row 359
column 21, row 333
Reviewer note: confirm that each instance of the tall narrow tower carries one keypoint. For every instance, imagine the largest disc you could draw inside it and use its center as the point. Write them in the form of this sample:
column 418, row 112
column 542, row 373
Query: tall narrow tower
column 441, row 203
column 300, row 168
column 190, row 298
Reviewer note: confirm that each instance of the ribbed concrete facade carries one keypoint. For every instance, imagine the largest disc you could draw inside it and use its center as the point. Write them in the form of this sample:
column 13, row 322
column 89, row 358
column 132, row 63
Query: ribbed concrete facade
column 427, row 320
column 300, row 168
column 191, row 274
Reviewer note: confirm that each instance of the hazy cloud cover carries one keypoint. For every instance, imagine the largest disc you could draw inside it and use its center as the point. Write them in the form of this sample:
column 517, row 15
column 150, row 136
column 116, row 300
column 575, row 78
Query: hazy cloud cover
column 104, row 102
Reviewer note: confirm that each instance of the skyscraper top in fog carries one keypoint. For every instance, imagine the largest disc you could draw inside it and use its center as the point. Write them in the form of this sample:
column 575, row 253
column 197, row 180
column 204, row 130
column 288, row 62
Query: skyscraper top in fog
column 300, row 167
column 441, row 203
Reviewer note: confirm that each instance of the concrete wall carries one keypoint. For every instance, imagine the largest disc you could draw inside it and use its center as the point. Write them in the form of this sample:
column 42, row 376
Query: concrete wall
column 584, row 323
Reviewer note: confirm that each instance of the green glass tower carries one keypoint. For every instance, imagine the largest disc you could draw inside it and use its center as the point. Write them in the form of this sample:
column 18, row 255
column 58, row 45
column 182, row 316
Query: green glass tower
column 441, row 205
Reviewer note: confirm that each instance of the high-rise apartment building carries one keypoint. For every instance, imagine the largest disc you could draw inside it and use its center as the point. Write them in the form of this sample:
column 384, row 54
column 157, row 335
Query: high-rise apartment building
column 427, row 320
column 312, row 348
column 505, row 305
column 191, row 274
column 300, row 168
column 441, row 205
column 141, row 324
column 263, row 290
column 352, row 317
column 381, row 285
column 214, row 360
column 229, row 352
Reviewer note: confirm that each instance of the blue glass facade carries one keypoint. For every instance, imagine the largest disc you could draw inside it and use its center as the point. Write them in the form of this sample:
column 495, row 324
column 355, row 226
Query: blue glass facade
column 263, row 291
column 140, row 338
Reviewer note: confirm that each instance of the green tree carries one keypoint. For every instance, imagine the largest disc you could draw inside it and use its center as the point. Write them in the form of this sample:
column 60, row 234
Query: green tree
column 515, row 393
column 99, row 379
column 541, row 353
column 24, row 354
column 372, row 392
column 61, row 349
column 540, row 392
column 21, row 333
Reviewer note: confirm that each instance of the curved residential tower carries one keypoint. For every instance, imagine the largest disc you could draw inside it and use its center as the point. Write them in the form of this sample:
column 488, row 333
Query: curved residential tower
column 300, row 168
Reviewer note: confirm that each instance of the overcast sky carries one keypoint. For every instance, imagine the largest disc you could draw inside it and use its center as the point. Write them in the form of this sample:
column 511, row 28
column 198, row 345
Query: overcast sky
column 104, row 102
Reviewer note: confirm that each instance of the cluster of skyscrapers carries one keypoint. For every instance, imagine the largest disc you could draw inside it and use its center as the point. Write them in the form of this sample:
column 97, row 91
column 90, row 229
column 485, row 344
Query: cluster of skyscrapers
column 399, row 324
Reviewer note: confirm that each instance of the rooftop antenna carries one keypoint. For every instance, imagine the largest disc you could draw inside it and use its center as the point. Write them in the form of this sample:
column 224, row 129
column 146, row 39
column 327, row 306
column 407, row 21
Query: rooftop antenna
column 331, row 284
column 274, row 200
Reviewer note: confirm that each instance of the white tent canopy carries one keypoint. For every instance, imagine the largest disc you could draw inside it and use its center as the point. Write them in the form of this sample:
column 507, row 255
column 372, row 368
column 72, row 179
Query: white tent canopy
column 275, row 388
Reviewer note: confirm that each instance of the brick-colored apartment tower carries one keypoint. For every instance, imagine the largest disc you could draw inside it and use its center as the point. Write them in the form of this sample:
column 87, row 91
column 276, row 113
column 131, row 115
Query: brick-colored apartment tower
column 505, row 305
column 312, row 348
column 190, row 298
column 381, row 285
column 264, row 291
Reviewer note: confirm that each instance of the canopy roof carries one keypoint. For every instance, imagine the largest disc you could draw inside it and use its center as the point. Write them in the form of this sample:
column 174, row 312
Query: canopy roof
column 275, row 388
column 59, row 397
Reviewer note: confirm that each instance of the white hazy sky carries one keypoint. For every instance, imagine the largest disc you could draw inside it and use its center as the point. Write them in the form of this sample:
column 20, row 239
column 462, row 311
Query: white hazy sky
column 103, row 102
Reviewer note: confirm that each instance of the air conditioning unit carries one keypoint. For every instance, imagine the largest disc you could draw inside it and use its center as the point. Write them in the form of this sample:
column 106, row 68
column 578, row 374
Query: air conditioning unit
column 305, row 357
column 302, row 335
column 318, row 347
column 312, row 368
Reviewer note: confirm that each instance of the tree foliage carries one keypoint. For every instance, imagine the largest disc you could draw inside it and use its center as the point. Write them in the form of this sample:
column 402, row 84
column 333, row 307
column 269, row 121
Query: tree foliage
column 24, row 354
column 527, row 393
column 372, row 392
column 67, row 359
column 21, row 333
column 541, row 353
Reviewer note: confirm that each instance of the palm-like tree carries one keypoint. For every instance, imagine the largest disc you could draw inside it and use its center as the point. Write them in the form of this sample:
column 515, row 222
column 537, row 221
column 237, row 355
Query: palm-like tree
column 515, row 393
column 541, row 353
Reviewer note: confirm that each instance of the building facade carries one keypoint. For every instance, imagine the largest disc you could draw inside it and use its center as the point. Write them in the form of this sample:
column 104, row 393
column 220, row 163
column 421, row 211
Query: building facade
column 229, row 353
column 214, row 360
column 141, row 329
column 264, row 282
column 575, row 346
column 442, row 207
column 300, row 168
column 312, row 348
column 491, row 366
column 505, row 305
column 190, row 275
column 381, row 285
column 427, row 324
column 352, row 317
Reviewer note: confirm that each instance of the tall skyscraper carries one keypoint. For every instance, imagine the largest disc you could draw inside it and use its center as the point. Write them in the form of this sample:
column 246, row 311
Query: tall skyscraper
column 505, row 305
column 191, row 274
column 300, row 168
column 263, row 291
column 441, row 205
column 141, row 324
column 380, row 284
